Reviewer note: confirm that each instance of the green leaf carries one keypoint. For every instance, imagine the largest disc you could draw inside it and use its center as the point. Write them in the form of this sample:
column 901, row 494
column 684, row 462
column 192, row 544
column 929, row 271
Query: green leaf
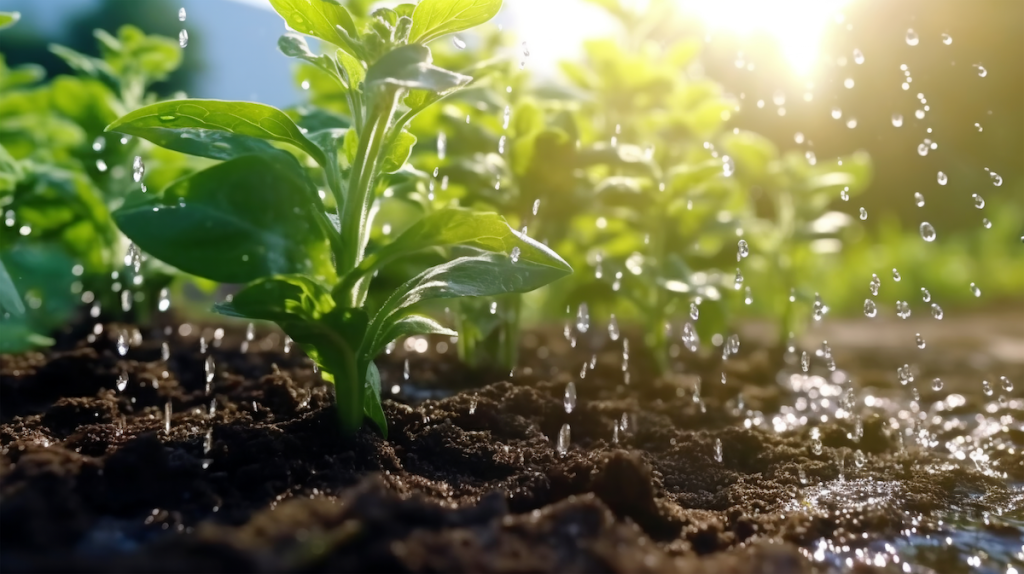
column 435, row 18
column 371, row 400
column 184, row 119
column 410, row 67
column 408, row 326
column 355, row 71
column 240, row 220
column 327, row 140
column 479, row 276
column 8, row 19
column 324, row 19
column 295, row 46
column 92, row 67
column 283, row 298
column 398, row 152
column 10, row 301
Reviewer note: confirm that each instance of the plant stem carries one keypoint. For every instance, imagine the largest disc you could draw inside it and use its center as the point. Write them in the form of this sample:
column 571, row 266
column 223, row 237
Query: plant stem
column 355, row 218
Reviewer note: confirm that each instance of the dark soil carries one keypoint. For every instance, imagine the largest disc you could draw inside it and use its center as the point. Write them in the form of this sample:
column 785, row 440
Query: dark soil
column 470, row 480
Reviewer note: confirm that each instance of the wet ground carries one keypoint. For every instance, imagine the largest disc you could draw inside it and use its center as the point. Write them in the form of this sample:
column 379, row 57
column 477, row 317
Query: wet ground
column 776, row 470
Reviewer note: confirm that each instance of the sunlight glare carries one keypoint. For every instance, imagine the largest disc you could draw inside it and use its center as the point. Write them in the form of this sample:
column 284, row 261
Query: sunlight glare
column 797, row 25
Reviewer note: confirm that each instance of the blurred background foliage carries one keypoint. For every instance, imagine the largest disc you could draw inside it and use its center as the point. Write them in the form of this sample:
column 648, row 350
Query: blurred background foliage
column 623, row 139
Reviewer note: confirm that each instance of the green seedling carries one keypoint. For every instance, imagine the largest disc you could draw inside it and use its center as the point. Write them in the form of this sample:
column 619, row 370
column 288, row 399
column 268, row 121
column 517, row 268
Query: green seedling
column 257, row 216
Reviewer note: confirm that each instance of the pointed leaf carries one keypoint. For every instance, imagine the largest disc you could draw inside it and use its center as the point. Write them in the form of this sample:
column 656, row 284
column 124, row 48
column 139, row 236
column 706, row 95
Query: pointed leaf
column 398, row 152
column 294, row 46
column 10, row 301
column 185, row 119
column 319, row 18
column 435, row 18
column 238, row 221
column 408, row 326
column 355, row 71
column 283, row 298
column 371, row 399
column 410, row 67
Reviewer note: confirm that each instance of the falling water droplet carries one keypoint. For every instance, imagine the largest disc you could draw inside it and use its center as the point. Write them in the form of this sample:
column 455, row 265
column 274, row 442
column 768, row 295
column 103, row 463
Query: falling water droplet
column 979, row 202
column 925, row 295
column 514, row 256
column 458, row 42
column 858, row 56
column 138, row 169
column 167, row 418
column 895, row 275
column 920, row 341
column 936, row 311
column 837, row 113
column 947, row 39
column 505, row 118
column 405, row 370
column 982, row 72
column 582, row 318
column 936, row 384
column 927, row 232
column 748, row 297
column 98, row 144
column 126, row 300
column 904, row 374
column 874, row 284
column 986, row 388
column 183, row 38
column 742, row 250
column 122, row 382
column 805, row 362
column 613, row 328
column 912, row 38
column 816, row 445
column 694, row 310
column 442, row 145
column 858, row 458
column 718, row 450
column 691, row 340
column 918, row 199
column 165, row 301
column 122, row 344
column 997, row 180
column 569, row 400
column 975, row 290
column 870, row 309
column 1006, row 383
column 941, row 178
column 897, row 120
column 863, row 214
column 181, row 14
column 738, row 282
column 903, row 309
column 165, row 351
column 564, row 438
column 986, row 223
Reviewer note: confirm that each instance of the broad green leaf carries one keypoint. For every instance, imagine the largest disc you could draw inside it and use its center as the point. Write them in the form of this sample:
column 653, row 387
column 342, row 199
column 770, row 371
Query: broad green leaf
column 480, row 276
column 283, row 298
column 398, row 152
column 324, row 19
column 350, row 146
column 183, row 118
column 371, row 400
column 92, row 67
column 435, row 18
column 410, row 67
column 10, row 301
column 8, row 19
column 235, row 222
column 455, row 226
column 327, row 140
column 408, row 326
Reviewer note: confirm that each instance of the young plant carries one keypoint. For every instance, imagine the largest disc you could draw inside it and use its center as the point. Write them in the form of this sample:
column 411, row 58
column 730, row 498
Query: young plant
column 257, row 216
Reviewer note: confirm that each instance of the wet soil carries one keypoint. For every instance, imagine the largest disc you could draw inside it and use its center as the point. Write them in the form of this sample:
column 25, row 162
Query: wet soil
column 469, row 478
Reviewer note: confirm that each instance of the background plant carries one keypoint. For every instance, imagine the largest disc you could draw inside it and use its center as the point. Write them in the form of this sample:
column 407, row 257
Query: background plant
column 306, row 259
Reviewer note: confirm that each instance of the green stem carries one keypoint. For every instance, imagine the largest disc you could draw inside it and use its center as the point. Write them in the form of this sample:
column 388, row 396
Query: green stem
column 355, row 224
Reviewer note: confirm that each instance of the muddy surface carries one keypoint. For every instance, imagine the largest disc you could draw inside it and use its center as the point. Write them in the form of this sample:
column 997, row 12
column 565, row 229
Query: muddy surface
column 703, row 476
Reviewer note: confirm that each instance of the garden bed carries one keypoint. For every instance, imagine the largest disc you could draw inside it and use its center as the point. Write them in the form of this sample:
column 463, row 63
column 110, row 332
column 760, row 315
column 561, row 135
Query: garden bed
column 469, row 479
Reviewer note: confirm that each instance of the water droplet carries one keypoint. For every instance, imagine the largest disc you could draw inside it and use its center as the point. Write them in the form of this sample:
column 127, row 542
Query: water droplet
column 742, row 250
column 181, row 14
column 837, row 113
column 912, row 38
column 615, row 432
column 863, row 214
column 122, row 344
column 927, row 232
column 870, row 309
column 165, row 351
column 165, row 301
column 919, row 340
column 748, row 297
column 718, row 450
column 922, row 149
column 458, row 42
column 816, row 445
column 918, row 199
column 858, row 458
column 975, row 290
column 895, row 275
column 514, row 256
column 505, row 117
column 613, row 328
column 582, row 318
column 564, row 438
column 122, row 382
column 904, row 374
column 997, row 179
column 138, row 169
column 405, row 370
column 805, row 362
column 858, row 56
column 819, row 309
column 947, row 39
column 691, row 340
column 442, row 145
column 844, row 194
column 569, row 400
column 1006, row 383
column 98, row 144
column 211, row 370
column 982, row 72
column 811, row 158
column 897, row 120
column 941, row 178
column 986, row 223
column 126, row 300
column 167, row 418
column 925, row 295
column 874, row 284
column 213, row 408
column 986, row 388
column 738, row 282
column 694, row 310
column 848, row 83
column 936, row 384
column 101, row 165
column 183, row 38
column 936, row 311
column 472, row 406
column 902, row 309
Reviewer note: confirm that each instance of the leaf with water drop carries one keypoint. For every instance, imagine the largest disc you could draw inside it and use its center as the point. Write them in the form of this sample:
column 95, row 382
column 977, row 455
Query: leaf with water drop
column 410, row 67
column 235, row 222
column 435, row 18
column 182, row 125
column 325, row 19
